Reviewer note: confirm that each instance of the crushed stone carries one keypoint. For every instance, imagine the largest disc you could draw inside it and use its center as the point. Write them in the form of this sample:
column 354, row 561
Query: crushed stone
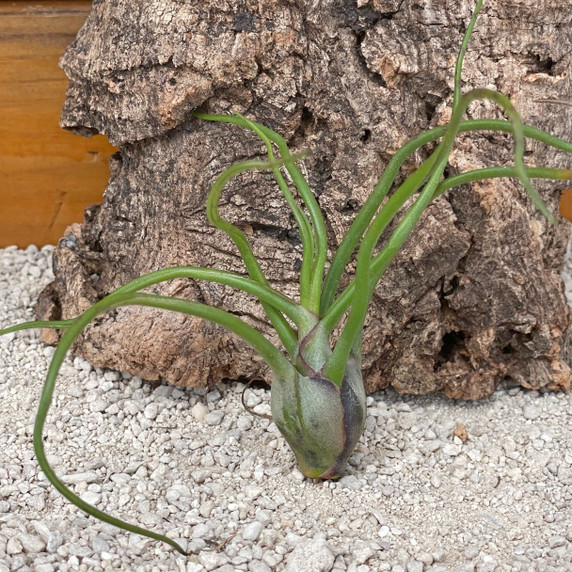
column 194, row 465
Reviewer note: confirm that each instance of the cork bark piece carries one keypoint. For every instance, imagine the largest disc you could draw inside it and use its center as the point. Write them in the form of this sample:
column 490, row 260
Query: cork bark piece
column 475, row 296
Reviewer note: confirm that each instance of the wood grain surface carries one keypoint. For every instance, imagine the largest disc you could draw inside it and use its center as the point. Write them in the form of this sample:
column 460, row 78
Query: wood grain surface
column 47, row 175
column 566, row 204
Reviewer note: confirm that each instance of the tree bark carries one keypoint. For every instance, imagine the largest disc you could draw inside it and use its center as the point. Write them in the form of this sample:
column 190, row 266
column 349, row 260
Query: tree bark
column 476, row 295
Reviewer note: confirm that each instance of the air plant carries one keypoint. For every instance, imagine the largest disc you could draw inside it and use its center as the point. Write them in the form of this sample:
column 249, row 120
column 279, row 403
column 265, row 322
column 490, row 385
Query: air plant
column 317, row 393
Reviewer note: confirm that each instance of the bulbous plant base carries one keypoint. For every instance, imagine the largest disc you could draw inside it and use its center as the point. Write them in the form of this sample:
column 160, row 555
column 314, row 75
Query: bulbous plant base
column 321, row 422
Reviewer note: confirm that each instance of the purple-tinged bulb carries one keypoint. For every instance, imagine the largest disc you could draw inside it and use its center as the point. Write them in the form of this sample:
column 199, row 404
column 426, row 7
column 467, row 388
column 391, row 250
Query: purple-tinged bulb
column 321, row 422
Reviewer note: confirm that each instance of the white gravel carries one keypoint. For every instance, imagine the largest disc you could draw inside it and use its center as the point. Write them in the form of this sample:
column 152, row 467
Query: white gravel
column 195, row 465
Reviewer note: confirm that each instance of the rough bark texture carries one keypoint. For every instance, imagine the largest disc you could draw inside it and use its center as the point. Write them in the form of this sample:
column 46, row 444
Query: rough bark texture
column 475, row 296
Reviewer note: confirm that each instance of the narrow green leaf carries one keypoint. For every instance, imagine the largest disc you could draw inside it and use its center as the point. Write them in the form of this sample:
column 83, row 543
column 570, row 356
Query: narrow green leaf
column 272, row 355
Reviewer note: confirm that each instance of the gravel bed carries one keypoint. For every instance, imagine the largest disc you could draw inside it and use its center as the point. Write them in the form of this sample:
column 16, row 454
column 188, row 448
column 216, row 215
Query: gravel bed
column 434, row 485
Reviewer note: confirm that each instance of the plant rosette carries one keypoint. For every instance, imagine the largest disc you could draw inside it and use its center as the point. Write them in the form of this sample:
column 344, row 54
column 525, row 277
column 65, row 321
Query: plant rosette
column 317, row 394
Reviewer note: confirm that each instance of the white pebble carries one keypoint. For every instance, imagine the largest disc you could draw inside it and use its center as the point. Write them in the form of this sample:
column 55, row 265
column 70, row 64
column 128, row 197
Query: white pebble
column 258, row 566
column 214, row 417
column 452, row 450
column 556, row 541
column 310, row 556
column 252, row 530
column 213, row 396
column 472, row 552
column 531, row 412
column 151, row 411
column 414, row 566
column 263, row 516
column 98, row 405
column 199, row 411
column 75, row 478
column 13, row 546
column 383, row 531
column 212, row 560
column 91, row 497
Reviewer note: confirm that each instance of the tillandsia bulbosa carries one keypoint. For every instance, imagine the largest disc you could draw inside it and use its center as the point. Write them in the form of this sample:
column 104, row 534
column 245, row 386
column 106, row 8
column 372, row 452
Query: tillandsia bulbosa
column 317, row 394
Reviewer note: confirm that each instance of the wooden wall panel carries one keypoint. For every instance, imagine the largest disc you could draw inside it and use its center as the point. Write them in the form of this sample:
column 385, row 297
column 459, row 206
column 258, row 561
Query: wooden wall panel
column 47, row 175
column 566, row 204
